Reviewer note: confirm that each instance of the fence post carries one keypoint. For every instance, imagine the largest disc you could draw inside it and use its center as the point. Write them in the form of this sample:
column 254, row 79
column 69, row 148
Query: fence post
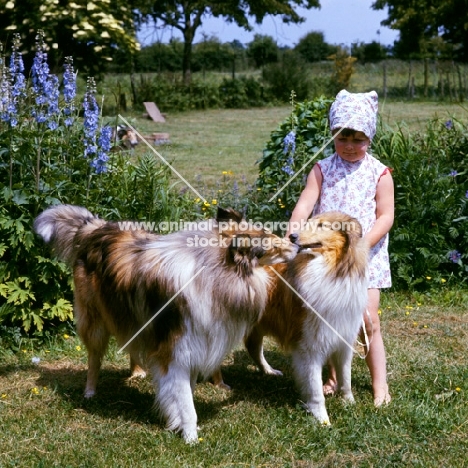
column 426, row 76
column 410, row 71
column 385, row 79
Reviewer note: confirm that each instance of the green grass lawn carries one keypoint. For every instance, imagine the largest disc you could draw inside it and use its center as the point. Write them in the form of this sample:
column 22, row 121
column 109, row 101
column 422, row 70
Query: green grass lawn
column 204, row 144
column 45, row 421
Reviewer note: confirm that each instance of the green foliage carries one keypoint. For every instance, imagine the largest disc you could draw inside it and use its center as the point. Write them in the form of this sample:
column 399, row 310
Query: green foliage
column 431, row 203
column 160, row 57
column 422, row 22
column 313, row 48
column 89, row 31
column 281, row 164
column 370, row 52
column 429, row 239
column 262, row 50
column 42, row 163
column 187, row 17
column 174, row 95
column 290, row 73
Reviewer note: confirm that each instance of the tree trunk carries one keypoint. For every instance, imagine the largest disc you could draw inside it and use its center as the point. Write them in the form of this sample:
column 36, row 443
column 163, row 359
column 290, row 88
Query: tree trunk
column 189, row 34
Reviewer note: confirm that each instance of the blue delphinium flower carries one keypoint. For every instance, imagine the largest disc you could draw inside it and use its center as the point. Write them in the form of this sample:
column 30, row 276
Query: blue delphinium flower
column 454, row 256
column 449, row 124
column 13, row 85
column 104, row 146
column 45, row 87
column 453, row 173
column 69, row 90
column 288, row 167
column 466, row 194
column 91, row 117
column 289, row 143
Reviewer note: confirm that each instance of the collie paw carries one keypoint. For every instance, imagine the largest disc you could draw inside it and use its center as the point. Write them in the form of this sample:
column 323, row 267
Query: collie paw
column 190, row 437
column 89, row 393
column 348, row 398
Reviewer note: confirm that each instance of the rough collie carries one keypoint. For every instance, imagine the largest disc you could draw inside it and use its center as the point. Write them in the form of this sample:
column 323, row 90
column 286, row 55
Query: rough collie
column 315, row 307
column 205, row 298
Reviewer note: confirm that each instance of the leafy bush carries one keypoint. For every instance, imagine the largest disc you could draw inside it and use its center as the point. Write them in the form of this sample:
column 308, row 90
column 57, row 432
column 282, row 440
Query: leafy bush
column 429, row 239
column 288, row 156
column 49, row 155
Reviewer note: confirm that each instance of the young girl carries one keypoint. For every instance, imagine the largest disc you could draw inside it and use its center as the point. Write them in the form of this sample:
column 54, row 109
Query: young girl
column 354, row 182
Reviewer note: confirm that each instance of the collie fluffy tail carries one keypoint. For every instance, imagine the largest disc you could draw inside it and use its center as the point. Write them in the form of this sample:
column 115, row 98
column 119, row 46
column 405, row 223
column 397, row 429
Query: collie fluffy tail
column 59, row 225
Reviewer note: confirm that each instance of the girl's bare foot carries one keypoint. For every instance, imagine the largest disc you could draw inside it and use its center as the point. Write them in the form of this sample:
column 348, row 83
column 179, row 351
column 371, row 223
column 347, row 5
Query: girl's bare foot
column 381, row 396
column 330, row 387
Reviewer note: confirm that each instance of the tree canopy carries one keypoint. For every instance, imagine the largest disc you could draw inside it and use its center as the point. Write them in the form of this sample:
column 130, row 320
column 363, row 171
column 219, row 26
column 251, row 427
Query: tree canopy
column 88, row 30
column 188, row 15
column 424, row 23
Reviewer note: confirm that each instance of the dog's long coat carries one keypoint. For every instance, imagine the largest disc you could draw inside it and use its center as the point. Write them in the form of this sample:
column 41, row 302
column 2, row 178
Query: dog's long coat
column 122, row 278
column 316, row 312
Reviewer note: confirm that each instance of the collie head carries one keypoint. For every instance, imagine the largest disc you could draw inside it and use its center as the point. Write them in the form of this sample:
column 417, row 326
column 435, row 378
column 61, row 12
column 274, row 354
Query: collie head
column 337, row 238
column 251, row 246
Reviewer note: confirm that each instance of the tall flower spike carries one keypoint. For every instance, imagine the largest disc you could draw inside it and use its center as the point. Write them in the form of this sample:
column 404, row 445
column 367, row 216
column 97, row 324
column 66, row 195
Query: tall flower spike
column 91, row 117
column 104, row 146
column 45, row 87
column 69, row 90
column 18, row 83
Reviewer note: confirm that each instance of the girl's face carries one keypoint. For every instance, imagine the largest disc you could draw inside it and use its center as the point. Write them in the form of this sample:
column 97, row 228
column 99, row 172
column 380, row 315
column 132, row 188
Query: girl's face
column 351, row 145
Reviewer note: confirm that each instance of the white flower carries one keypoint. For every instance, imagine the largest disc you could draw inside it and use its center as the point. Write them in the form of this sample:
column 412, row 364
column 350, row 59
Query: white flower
column 35, row 360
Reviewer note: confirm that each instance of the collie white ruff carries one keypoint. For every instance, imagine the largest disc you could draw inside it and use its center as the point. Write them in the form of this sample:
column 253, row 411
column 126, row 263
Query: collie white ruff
column 315, row 306
column 209, row 297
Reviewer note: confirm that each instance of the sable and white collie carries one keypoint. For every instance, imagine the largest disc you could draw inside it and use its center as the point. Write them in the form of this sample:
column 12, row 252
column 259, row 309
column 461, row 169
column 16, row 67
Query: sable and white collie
column 206, row 286
column 315, row 306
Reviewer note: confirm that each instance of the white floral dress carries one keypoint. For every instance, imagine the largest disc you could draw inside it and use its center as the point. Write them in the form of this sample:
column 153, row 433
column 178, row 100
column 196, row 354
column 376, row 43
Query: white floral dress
column 350, row 187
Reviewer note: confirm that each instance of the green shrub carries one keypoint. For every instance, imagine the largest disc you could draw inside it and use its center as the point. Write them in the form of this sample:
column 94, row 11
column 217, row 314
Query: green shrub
column 306, row 130
column 429, row 239
column 50, row 155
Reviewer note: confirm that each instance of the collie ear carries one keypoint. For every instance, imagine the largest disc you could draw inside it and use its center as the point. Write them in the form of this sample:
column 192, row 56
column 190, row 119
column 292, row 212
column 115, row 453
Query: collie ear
column 243, row 255
column 228, row 214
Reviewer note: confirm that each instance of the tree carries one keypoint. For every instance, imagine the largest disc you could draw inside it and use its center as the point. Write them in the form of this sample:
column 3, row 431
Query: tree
column 420, row 22
column 187, row 16
column 89, row 31
column 313, row 48
column 370, row 52
column 262, row 50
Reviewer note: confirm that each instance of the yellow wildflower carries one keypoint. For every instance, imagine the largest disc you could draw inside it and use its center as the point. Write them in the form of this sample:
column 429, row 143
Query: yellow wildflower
column 458, row 389
column 78, row 348
column 35, row 391
column 428, row 277
column 66, row 336
column 443, row 280
column 214, row 201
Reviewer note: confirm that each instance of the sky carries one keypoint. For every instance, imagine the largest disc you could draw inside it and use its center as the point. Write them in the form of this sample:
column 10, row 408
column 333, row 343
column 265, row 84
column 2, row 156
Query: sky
column 341, row 21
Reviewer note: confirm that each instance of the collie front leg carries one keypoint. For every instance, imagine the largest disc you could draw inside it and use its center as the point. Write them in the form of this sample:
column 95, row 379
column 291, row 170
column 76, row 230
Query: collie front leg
column 308, row 375
column 254, row 345
column 342, row 361
column 174, row 398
